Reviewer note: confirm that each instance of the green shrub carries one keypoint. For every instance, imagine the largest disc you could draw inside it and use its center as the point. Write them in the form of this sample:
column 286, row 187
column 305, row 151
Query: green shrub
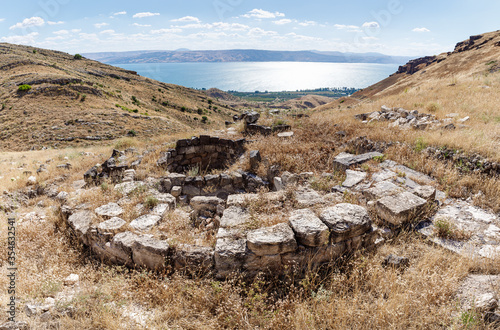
column 420, row 144
column 84, row 96
column 183, row 109
column 204, row 119
column 131, row 133
column 78, row 57
column 150, row 202
column 24, row 88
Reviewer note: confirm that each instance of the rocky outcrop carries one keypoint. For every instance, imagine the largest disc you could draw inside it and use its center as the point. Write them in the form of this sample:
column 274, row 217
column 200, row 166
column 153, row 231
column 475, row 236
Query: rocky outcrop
column 418, row 64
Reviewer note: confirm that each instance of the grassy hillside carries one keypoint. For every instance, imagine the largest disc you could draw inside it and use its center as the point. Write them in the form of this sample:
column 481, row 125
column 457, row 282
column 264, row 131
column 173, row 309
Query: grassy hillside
column 69, row 101
column 465, row 82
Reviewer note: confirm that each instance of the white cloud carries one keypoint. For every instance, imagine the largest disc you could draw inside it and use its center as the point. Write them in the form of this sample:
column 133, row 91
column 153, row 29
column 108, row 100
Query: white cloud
column 283, row 21
column 308, row 23
column 260, row 13
column 54, row 38
column 422, row 29
column 76, row 30
column 107, row 32
column 229, row 26
column 89, row 36
column 350, row 28
column 2, row 19
column 29, row 22
column 120, row 13
column 258, row 32
column 25, row 39
column 187, row 19
column 141, row 25
column 146, row 14
column 55, row 23
column 166, row 31
column 370, row 38
column 370, row 25
column 61, row 32
column 100, row 25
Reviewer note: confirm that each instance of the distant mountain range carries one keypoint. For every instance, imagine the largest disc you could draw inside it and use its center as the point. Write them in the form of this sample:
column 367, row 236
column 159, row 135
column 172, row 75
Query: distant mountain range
column 241, row 55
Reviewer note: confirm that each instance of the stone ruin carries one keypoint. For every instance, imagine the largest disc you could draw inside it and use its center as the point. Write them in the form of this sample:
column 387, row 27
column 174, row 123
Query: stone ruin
column 406, row 119
column 315, row 227
column 250, row 120
column 205, row 152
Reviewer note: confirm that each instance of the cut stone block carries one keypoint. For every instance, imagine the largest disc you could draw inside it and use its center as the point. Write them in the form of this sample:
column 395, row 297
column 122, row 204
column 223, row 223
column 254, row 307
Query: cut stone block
column 308, row 228
column 308, row 198
column 193, row 258
column 112, row 226
column 346, row 221
column 120, row 247
column 399, row 209
column 160, row 209
column 176, row 191
column 277, row 239
column 176, row 179
column 234, row 216
column 383, row 175
column 145, row 222
column 345, row 160
column 353, row 178
column 127, row 187
column 80, row 222
column 229, row 255
column 109, row 210
column 425, row 192
column 255, row 264
column 150, row 252
column 163, row 198
column 200, row 203
column 382, row 189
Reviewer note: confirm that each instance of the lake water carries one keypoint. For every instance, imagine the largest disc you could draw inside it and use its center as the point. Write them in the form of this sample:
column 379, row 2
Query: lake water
column 265, row 76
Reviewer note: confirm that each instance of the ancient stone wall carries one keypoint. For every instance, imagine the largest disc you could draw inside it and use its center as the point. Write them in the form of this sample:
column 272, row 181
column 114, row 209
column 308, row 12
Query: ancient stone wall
column 205, row 152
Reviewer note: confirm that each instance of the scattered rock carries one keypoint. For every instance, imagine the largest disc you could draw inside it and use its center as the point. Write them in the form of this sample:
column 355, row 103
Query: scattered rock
column 71, row 280
column 285, row 135
column 353, row 178
column 255, row 159
column 31, row 180
column 396, row 261
column 345, row 160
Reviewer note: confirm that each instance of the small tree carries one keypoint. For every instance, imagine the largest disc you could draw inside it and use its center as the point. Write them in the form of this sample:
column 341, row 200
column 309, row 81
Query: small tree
column 78, row 57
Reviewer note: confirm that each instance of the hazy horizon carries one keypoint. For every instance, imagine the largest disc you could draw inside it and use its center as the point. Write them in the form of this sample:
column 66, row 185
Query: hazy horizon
column 393, row 27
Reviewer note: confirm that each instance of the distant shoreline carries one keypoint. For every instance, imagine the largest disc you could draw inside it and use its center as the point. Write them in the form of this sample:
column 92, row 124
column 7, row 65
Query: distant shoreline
column 242, row 56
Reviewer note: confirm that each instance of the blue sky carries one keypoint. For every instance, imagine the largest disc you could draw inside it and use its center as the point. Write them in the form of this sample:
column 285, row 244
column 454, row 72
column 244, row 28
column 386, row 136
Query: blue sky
column 396, row 27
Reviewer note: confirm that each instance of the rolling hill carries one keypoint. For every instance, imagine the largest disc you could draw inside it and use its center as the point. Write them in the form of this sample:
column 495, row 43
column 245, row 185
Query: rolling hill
column 53, row 99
